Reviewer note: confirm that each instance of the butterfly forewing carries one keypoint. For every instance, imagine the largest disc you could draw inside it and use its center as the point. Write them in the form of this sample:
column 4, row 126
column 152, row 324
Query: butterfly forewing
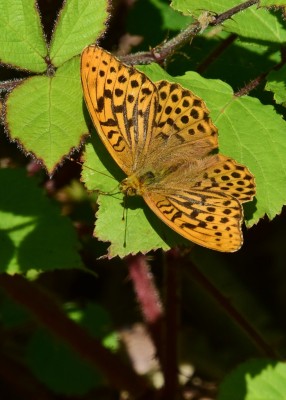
column 97, row 85
column 122, row 104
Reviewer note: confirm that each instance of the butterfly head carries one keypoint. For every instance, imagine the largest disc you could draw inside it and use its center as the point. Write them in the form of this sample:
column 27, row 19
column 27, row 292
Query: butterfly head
column 130, row 186
column 126, row 189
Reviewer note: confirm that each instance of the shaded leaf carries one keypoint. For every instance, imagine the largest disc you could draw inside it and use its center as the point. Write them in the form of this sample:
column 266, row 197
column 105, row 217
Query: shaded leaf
column 276, row 83
column 252, row 23
column 255, row 380
column 38, row 236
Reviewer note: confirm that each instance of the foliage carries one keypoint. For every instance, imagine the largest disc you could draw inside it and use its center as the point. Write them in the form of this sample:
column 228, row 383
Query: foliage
column 237, row 66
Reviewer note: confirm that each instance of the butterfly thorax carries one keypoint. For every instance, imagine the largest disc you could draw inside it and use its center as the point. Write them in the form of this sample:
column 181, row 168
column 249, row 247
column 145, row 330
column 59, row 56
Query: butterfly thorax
column 136, row 185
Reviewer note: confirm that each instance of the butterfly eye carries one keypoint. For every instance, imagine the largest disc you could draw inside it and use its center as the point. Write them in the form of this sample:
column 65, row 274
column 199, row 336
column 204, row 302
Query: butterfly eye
column 126, row 188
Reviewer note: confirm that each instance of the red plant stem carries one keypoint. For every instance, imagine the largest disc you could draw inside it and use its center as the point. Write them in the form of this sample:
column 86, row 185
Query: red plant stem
column 145, row 289
column 48, row 314
column 164, row 331
column 148, row 298
column 223, row 301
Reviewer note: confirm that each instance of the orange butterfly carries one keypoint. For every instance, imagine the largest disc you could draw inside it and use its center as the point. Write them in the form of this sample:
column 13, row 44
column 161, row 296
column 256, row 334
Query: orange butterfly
column 162, row 137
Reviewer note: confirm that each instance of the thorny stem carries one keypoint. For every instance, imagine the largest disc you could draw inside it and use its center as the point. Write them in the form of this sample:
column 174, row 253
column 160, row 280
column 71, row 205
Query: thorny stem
column 167, row 49
column 260, row 78
column 251, row 85
column 164, row 51
column 232, row 11
column 161, row 53
column 7, row 86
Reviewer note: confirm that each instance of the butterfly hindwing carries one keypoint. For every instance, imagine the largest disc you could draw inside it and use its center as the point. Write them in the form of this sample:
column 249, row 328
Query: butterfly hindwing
column 229, row 177
column 182, row 119
column 212, row 220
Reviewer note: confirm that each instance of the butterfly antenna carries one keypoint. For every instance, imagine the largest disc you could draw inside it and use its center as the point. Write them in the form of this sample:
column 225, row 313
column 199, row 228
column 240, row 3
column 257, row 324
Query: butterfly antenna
column 98, row 172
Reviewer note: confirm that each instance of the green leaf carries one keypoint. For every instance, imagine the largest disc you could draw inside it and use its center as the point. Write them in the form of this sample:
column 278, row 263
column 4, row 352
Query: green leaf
column 171, row 19
column 272, row 3
column 257, row 24
column 255, row 380
column 79, row 24
column 22, row 40
column 253, row 23
column 34, row 235
column 276, row 84
column 196, row 7
column 45, row 114
column 241, row 121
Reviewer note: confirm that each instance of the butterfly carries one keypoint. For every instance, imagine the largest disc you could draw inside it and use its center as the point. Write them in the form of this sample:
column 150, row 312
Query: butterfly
column 161, row 135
